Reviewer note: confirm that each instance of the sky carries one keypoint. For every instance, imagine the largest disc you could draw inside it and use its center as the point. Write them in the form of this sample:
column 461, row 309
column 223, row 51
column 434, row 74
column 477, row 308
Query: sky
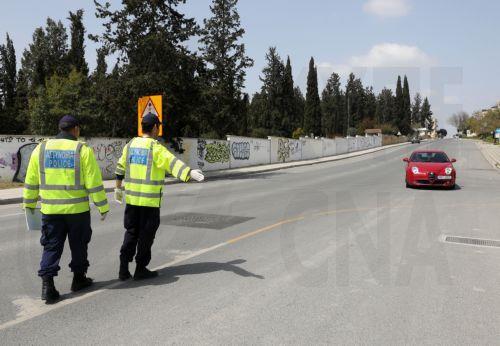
column 449, row 49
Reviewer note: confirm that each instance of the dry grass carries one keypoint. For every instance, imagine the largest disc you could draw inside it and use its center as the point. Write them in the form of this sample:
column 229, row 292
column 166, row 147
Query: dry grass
column 4, row 186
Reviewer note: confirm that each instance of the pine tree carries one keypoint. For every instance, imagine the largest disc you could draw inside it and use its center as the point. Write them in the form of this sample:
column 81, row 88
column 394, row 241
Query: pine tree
column 227, row 62
column 76, row 54
column 312, row 115
column 416, row 118
column 299, row 108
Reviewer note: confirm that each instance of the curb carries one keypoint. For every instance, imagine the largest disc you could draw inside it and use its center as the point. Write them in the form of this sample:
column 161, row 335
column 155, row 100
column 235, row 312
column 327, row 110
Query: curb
column 219, row 175
column 487, row 155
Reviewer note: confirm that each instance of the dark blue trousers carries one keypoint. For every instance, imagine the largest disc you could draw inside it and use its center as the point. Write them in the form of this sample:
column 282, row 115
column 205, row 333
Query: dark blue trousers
column 55, row 229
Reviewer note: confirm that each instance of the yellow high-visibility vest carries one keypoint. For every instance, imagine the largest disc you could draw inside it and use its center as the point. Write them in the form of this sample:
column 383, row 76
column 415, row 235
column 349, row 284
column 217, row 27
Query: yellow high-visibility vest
column 144, row 163
column 64, row 174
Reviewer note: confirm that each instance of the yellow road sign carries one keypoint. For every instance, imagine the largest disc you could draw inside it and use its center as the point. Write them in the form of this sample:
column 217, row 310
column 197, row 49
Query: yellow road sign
column 146, row 105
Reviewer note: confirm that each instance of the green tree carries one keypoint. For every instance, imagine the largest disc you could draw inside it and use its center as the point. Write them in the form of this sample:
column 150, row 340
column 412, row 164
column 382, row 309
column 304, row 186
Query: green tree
column 272, row 79
column 385, row 107
column 76, row 54
column 427, row 114
column 405, row 125
column 290, row 123
column 57, row 49
column 227, row 63
column 416, row 116
column 62, row 95
column 332, row 106
column 355, row 103
column 299, row 108
column 399, row 105
column 12, row 122
column 150, row 38
column 312, row 115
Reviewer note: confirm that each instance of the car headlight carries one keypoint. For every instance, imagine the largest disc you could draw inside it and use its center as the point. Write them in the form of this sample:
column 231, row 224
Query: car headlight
column 448, row 170
column 415, row 170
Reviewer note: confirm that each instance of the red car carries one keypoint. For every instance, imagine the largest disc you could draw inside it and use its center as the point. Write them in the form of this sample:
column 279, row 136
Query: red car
column 430, row 168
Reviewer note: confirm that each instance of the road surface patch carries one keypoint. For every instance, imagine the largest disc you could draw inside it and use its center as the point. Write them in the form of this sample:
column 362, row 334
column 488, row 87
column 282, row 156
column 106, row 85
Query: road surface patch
column 199, row 220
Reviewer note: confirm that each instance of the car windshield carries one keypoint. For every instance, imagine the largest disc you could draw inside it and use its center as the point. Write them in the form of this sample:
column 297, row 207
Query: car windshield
column 429, row 157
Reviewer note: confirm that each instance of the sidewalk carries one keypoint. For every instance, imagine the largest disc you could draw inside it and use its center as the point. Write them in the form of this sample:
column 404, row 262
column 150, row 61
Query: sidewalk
column 14, row 196
column 491, row 152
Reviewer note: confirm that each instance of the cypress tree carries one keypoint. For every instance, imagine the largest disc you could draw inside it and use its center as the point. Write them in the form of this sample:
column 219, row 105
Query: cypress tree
column 76, row 54
column 227, row 62
column 312, row 115
column 399, row 105
column 406, row 120
column 10, row 119
column 289, row 121
column 426, row 114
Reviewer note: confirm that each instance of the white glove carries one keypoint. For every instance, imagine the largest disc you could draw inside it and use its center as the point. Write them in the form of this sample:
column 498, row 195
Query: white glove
column 119, row 196
column 197, row 175
column 103, row 216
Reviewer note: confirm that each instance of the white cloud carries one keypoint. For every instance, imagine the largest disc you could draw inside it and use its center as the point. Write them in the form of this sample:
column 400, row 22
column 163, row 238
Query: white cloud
column 388, row 8
column 393, row 55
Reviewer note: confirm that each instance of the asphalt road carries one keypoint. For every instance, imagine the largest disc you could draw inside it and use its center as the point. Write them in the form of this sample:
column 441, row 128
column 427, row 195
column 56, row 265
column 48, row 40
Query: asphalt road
column 337, row 253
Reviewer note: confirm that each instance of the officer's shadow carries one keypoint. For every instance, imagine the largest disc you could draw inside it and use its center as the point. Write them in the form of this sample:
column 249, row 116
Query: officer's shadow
column 173, row 274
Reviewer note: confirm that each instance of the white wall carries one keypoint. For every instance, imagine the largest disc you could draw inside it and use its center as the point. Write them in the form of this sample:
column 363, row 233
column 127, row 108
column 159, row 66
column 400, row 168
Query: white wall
column 205, row 154
column 15, row 152
column 329, row 147
column 285, row 149
column 246, row 151
column 341, row 146
column 311, row 148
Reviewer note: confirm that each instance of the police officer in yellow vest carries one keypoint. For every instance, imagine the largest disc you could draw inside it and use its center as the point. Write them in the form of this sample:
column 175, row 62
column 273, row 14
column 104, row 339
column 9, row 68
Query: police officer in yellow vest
column 143, row 165
column 63, row 174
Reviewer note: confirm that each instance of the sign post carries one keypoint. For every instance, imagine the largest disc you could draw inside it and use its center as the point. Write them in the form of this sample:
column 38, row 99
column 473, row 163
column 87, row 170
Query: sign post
column 146, row 105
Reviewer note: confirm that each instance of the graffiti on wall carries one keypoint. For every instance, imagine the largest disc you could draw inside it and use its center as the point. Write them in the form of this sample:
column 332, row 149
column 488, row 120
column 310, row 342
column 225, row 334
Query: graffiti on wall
column 216, row 152
column 287, row 148
column 240, row 150
column 107, row 155
column 15, row 153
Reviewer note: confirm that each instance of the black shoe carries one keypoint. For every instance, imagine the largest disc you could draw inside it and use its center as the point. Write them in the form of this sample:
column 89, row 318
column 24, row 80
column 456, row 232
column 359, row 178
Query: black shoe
column 124, row 273
column 80, row 282
column 143, row 273
column 49, row 292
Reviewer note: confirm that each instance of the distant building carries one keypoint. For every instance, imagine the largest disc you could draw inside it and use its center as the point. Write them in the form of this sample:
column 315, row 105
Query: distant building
column 496, row 107
column 373, row 132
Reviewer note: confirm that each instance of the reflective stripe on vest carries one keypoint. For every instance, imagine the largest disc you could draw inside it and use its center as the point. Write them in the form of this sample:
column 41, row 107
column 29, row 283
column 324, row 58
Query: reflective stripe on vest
column 64, row 201
column 43, row 182
column 143, row 194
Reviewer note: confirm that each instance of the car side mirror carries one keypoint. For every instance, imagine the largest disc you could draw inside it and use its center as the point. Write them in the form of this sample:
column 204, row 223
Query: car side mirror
column 453, row 160
column 406, row 159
